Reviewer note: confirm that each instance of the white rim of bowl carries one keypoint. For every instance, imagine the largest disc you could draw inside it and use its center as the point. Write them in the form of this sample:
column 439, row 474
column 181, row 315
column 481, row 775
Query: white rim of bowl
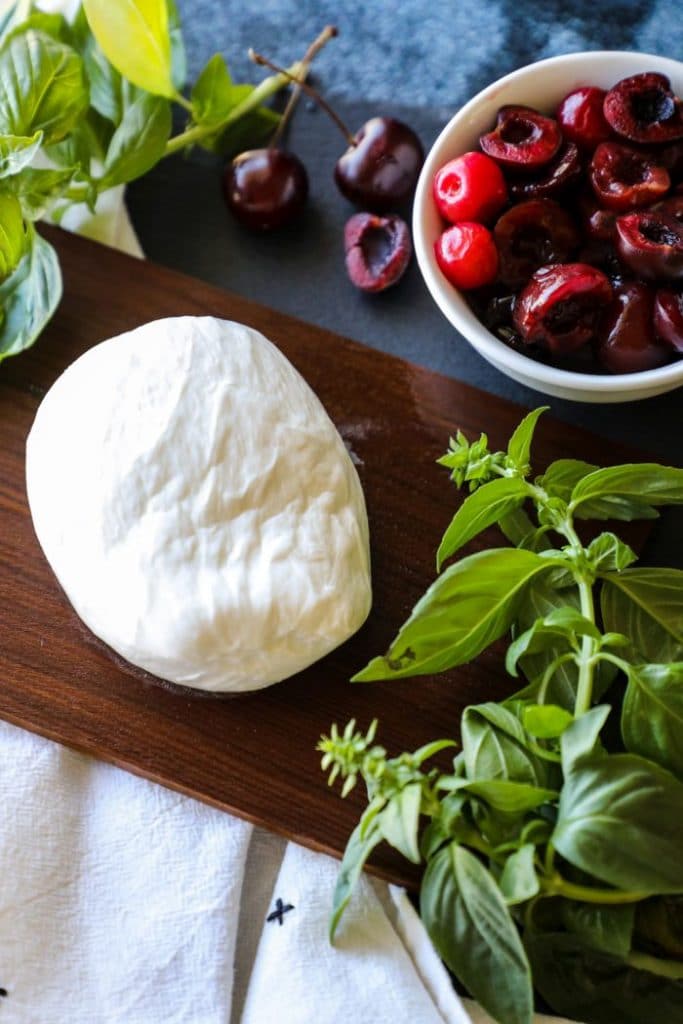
column 487, row 344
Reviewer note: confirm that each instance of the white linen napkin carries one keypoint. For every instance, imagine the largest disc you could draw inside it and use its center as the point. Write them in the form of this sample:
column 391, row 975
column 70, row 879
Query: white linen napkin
column 122, row 902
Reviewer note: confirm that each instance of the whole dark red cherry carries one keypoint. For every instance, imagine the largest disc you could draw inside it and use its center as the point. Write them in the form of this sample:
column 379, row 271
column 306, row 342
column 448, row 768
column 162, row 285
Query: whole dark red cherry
column 557, row 175
column 378, row 250
column 626, row 336
column 643, row 109
column 380, row 168
column 561, row 306
column 668, row 318
column 581, row 118
column 624, row 178
column 531, row 235
column 523, row 138
column 265, row 189
column 650, row 243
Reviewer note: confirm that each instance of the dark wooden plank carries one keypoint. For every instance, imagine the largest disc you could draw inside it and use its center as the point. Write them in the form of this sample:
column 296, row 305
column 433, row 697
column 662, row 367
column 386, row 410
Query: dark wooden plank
column 255, row 755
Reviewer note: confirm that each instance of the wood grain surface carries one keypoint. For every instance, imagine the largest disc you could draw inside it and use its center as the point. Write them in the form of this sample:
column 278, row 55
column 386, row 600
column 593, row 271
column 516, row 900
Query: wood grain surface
column 253, row 756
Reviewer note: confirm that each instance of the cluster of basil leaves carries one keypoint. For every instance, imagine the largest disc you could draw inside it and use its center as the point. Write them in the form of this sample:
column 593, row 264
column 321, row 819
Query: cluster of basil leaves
column 87, row 105
column 554, row 846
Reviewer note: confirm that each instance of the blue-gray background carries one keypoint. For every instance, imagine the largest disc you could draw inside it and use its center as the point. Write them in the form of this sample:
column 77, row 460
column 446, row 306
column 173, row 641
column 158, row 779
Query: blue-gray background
column 418, row 60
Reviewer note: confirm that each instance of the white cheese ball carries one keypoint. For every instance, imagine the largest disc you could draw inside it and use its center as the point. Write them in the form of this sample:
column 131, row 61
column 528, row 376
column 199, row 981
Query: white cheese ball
column 198, row 506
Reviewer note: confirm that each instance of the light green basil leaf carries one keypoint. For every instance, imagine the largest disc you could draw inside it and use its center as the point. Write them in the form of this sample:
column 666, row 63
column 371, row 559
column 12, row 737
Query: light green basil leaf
column 433, row 838
column 647, row 606
column 652, row 714
column 29, row 297
column 8, row 20
column 626, row 492
column 134, row 36
column 467, row 920
column 519, row 881
column 607, row 553
column 621, row 820
column 546, row 721
column 495, row 746
column 44, row 87
column 357, row 852
column 562, row 476
column 13, row 238
column 581, row 739
column 399, row 820
column 37, row 188
column 506, row 796
column 106, row 84
column 486, row 506
column 468, row 607
column 17, row 151
column 213, row 94
column 139, row 141
column 430, row 749
column 608, row 929
column 54, row 25
column 519, row 447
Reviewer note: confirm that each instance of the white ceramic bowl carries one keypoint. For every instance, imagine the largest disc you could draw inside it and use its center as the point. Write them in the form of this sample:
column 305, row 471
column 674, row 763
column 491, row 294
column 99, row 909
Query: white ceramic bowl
column 540, row 85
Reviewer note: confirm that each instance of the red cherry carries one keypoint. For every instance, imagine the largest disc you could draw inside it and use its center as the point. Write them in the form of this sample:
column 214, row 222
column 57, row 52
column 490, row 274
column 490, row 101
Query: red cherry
column 561, row 305
column 669, row 318
column 467, row 255
column 626, row 337
column 470, row 187
column 581, row 118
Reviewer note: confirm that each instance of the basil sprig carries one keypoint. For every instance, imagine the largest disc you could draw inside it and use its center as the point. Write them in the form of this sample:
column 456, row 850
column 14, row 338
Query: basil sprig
column 86, row 105
column 554, row 844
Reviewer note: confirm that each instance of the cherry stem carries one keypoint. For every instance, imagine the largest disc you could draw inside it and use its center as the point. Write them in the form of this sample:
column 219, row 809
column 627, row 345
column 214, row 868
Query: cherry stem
column 329, row 32
column 309, row 90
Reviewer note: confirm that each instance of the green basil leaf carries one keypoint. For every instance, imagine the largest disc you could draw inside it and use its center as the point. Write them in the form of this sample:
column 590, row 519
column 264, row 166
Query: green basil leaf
column 17, row 151
column 106, row 84
column 621, row 820
column 13, row 238
column 562, row 476
column 506, row 796
column 178, row 55
column 430, row 749
column 357, row 852
column 54, row 25
column 546, row 721
column 213, row 94
column 468, row 607
column 139, row 141
column 495, row 746
column 626, row 492
column 607, row 553
column 589, row 985
column 29, row 297
column 581, row 740
column 607, row 929
column 468, row 922
column 247, row 132
column 7, row 20
column 134, row 36
column 519, row 881
column 37, row 188
column 433, row 838
column 399, row 820
column 519, row 447
column 652, row 714
column 646, row 605
column 44, row 87
column 486, row 506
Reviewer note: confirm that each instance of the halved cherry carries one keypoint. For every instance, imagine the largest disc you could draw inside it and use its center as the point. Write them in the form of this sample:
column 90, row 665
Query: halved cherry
column 626, row 337
column 650, row 243
column 522, row 138
column 531, row 235
column 561, row 306
column 668, row 317
column 643, row 108
column 557, row 175
column 624, row 178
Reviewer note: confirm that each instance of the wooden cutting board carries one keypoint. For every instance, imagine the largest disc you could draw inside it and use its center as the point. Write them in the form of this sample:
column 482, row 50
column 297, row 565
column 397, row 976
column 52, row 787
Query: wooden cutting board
column 253, row 756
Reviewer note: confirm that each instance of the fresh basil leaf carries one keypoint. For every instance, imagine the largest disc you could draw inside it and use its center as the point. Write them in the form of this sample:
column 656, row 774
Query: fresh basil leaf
column 134, row 36
column 399, row 820
column 562, row 476
column 519, row 881
column 37, row 188
column 106, row 84
column 139, row 141
column 627, row 492
column 13, row 238
column 495, row 746
column 652, row 714
column 213, row 94
column 247, row 132
column 607, row 929
column 432, row 839
column 621, row 820
column 17, row 151
column 581, row 739
column 607, row 553
column 519, row 447
column 54, row 25
column 357, row 852
column 486, row 506
column 430, row 749
column 585, row 984
column 468, row 607
column 546, row 721
column 29, row 297
column 178, row 55
column 468, row 922
column 647, row 606
column 44, row 87
column 506, row 796
column 563, row 623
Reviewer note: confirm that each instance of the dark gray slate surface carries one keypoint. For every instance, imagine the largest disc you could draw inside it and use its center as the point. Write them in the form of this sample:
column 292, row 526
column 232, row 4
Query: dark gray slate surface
column 417, row 60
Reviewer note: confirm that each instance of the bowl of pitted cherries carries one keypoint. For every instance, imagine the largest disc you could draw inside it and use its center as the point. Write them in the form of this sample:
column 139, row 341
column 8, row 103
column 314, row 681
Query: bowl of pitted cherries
column 548, row 225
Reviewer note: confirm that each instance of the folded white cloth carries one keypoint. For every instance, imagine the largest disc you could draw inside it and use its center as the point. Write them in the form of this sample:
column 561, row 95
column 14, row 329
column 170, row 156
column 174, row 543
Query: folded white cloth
column 124, row 903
